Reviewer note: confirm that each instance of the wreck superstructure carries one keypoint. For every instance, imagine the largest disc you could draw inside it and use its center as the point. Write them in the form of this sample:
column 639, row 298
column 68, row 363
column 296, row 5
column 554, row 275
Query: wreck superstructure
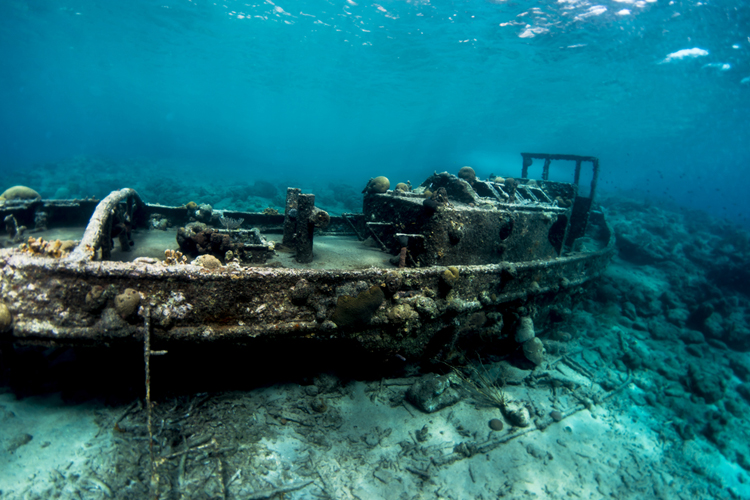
column 461, row 257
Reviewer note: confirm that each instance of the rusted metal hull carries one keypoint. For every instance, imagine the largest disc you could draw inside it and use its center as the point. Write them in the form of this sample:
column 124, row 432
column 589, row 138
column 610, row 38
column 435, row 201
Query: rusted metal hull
column 420, row 312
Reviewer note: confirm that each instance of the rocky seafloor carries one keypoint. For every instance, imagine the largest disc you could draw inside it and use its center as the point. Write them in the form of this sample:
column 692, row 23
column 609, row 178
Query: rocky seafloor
column 645, row 393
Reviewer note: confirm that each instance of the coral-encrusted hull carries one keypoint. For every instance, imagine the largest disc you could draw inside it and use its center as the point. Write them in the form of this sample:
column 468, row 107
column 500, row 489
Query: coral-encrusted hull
column 420, row 309
column 475, row 259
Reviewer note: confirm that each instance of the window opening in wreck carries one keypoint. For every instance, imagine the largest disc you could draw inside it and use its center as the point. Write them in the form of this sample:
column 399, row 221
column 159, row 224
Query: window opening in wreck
column 556, row 234
column 506, row 230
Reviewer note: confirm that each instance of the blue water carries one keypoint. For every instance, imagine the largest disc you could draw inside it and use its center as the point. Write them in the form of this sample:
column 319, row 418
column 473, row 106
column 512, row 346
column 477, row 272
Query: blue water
column 346, row 90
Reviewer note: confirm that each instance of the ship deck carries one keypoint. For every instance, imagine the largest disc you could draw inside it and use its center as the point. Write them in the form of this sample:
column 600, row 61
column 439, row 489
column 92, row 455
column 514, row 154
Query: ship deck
column 330, row 251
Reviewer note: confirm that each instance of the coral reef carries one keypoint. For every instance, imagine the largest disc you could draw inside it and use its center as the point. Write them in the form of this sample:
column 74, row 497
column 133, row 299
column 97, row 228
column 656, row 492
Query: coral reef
column 6, row 319
column 230, row 223
column 525, row 330
column 174, row 257
column 378, row 184
column 533, row 349
column 127, row 303
column 467, row 174
column 56, row 248
column 158, row 221
column 96, row 298
column 351, row 311
column 207, row 262
column 19, row 193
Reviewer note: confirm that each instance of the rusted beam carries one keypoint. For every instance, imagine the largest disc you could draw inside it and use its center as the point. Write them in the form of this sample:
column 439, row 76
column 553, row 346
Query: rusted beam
column 98, row 233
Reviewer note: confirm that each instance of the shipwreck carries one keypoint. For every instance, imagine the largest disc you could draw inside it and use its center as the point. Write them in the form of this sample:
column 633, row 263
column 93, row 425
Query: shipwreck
column 418, row 272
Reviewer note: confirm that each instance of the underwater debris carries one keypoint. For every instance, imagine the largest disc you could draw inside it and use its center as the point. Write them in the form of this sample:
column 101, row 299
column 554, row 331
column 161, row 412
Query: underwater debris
column 13, row 229
column 510, row 188
column 41, row 218
column 434, row 392
column 204, row 213
column 158, row 221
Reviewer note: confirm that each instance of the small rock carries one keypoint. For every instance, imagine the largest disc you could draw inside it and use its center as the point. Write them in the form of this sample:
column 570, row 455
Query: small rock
column 660, row 330
column 744, row 391
column 692, row 336
column 496, row 424
column 709, row 384
column 738, row 338
column 740, row 366
column 318, row 405
column 628, row 310
column 735, row 407
column 713, row 326
column 432, row 393
column 678, row 316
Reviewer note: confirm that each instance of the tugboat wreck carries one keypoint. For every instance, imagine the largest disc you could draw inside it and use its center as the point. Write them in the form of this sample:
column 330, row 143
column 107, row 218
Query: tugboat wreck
column 455, row 259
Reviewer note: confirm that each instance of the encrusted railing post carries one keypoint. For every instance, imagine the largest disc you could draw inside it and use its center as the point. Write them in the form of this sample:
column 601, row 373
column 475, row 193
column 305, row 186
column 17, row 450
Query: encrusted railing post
column 302, row 217
column 98, row 233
